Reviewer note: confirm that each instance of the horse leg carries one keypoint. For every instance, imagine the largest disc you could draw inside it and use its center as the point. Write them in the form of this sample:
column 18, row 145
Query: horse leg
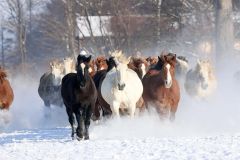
column 71, row 120
column 115, row 108
column 47, row 103
column 172, row 113
column 79, row 116
column 87, row 121
column 96, row 113
column 131, row 109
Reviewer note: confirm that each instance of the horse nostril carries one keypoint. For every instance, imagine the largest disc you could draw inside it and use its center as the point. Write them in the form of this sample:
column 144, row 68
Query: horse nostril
column 121, row 87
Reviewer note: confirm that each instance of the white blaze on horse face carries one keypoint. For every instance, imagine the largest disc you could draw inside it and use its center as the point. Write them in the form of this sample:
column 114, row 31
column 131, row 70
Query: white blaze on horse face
column 168, row 82
column 83, row 67
column 143, row 68
column 90, row 70
column 121, row 74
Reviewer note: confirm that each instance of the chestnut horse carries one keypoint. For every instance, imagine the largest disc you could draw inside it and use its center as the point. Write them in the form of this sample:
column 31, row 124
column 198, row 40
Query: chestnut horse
column 6, row 92
column 79, row 96
column 161, row 89
column 139, row 65
column 152, row 61
column 101, row 63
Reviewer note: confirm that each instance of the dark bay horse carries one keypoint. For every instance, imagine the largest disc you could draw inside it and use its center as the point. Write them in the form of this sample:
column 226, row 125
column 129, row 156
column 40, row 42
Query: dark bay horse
column 79, row 96
column 161, row 89
column 101, row 104
column 6, row 92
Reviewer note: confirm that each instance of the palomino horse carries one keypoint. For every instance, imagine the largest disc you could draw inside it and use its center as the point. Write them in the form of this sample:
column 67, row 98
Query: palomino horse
column 161, row 89
column 6, row 92
column 139, row 65
column 79, row 96
column 101, row 63
column 69, row 65
column 50, row 85
column 98, row 78
column 121, row 87
column 201, row 81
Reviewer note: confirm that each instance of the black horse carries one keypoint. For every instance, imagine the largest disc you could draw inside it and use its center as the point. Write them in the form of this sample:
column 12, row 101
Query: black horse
column 79, row 96
column 101, row 104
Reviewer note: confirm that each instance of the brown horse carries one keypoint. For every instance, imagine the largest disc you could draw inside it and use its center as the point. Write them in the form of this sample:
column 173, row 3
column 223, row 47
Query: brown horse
column 139, row 65
column 161, row 89
column 6, row 92
column 101, row 63
column 152, row 61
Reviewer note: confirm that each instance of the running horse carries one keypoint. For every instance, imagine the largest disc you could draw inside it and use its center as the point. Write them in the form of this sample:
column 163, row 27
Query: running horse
column 121, row 88
column 139, row 65
column 161, row 89
column 6, row 92
column 79, row 96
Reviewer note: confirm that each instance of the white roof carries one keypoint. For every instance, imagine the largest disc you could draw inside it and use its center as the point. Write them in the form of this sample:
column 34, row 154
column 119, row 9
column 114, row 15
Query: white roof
column 100, row 26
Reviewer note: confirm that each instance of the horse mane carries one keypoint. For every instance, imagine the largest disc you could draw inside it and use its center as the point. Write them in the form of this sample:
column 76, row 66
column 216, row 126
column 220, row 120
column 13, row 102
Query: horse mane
column 118, row 54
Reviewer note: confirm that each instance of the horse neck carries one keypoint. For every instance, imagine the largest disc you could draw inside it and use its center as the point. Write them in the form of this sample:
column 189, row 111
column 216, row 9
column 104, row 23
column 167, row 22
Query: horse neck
column 87, row 78
column 110, row 68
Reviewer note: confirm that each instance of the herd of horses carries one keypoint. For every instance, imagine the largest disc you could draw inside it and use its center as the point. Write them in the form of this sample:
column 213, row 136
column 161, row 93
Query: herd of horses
column 117, row 85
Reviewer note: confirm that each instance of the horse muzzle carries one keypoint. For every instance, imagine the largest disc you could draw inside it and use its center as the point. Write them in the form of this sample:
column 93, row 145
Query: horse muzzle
column 168, row 84
column 121, row 86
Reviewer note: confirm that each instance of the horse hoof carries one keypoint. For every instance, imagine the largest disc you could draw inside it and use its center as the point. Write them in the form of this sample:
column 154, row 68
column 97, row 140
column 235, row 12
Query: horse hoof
column 79, row 138
column 86, row 138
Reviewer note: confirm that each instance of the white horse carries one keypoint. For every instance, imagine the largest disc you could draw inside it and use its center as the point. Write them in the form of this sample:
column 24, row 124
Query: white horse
column 201, row 81
column 122, row 87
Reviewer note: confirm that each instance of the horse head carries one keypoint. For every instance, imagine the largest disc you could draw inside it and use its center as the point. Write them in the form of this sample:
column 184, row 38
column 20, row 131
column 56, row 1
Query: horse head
column 57, row 71
column 139, row 65
column 121, row 71
column 82, row 68
column 205, row 72
column 68, row 63
column 101, row 63
column 166, row 63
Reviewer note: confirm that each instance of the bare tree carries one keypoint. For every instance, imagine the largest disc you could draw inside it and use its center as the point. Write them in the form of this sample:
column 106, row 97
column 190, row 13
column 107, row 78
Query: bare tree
column 224, row 28
column 17, row 10
column 70, row 15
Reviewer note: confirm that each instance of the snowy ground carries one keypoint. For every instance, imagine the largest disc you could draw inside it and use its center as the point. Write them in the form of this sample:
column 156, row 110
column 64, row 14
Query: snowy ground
column 203, row 129
column 56, row 144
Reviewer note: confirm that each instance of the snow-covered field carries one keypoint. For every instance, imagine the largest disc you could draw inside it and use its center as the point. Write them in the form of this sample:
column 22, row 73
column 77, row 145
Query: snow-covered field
column 203, row 129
